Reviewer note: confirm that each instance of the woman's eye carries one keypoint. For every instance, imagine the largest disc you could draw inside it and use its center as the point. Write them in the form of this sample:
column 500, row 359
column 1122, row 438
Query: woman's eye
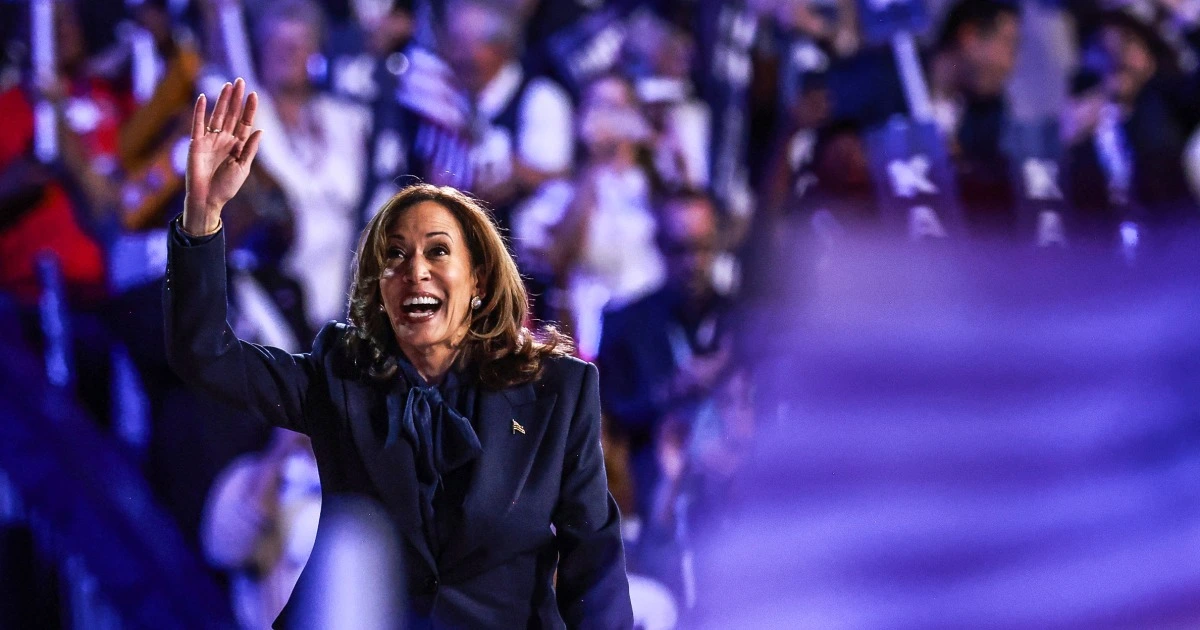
column 394, row 252
column 439, row 251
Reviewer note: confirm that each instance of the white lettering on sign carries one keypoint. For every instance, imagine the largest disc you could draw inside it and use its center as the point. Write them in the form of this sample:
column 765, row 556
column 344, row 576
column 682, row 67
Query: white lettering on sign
column 733, row 65
column 911, row 176
column 923, row 223
column 600, row 53
column 803, row 184
column 1041, row 180
column 801, row 149
column 809, row 57
column 1050, row 230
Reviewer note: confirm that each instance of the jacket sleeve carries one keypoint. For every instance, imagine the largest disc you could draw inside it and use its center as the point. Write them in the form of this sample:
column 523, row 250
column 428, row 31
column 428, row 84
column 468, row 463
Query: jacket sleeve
column 204, row 351
column 592, row 589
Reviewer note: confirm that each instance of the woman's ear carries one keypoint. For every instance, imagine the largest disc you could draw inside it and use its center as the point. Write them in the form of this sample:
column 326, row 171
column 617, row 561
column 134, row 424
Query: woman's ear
column 479, row 284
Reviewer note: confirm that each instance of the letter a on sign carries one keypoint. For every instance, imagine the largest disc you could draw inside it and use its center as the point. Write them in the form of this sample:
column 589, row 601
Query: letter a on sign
column 1050, row 230
column 923, row 223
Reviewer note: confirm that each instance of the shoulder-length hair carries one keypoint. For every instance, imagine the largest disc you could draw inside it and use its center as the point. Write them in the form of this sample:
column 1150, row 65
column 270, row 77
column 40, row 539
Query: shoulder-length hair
column 498, row 346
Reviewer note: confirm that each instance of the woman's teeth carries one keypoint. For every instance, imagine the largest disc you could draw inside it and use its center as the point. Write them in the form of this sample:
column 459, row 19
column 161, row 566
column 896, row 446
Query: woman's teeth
column 421, row 307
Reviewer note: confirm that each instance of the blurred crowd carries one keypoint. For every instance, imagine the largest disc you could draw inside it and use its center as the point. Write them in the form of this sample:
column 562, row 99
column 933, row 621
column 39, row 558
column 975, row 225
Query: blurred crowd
column 641, row 155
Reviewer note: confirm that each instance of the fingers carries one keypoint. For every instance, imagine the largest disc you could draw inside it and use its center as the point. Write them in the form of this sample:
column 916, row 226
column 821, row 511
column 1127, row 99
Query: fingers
column 251, row 148
column 222, row 108
column 246, row 123
column 234, row 114
column 198, row 111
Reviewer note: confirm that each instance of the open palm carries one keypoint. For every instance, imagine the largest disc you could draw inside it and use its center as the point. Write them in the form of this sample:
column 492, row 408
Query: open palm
column 220, row 154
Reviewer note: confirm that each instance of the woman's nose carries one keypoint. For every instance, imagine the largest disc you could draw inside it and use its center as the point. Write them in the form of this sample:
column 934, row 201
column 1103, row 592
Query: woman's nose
column 418, row 269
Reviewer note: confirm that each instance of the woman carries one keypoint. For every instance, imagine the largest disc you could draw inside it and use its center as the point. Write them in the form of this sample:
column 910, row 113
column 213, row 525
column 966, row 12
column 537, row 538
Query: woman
column 482, row 443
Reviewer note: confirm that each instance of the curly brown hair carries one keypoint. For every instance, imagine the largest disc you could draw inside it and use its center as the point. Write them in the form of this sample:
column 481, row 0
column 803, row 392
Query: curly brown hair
column 498, row 345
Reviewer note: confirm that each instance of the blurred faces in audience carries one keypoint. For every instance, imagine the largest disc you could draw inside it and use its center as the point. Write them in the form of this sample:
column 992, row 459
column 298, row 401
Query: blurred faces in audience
column 68, row 36
column 982, row 36
column 687, row 236
column 655, row 47
column 290, row 34
column 611, row 121
column 388, row 27
column 480, row 40
column 156, row 19
column 1127, row 59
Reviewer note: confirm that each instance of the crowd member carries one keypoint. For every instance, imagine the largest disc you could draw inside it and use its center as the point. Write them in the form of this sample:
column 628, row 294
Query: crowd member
column 1128, row 129
column 481, row 121
column 59, row 207
column 842, row 190
column 661, row 357
column 970, row 72
column 604, row 244
column 314, row 145
column 359, row 48
column 659, row 54
column 367, row 63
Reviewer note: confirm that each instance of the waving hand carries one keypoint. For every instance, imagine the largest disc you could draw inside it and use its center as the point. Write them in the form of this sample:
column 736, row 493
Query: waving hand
column 219, row 156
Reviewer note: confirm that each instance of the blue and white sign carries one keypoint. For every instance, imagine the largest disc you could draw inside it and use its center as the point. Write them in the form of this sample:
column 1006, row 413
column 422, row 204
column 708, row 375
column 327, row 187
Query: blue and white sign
column 1035, row 154
column 588, row 48
column 911, row 169
column 881, row 19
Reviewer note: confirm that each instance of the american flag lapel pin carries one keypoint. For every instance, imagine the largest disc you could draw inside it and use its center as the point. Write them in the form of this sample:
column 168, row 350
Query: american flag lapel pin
column 517, row 428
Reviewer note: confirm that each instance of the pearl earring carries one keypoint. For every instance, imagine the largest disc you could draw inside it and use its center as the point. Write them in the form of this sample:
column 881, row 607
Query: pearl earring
column 476, row 302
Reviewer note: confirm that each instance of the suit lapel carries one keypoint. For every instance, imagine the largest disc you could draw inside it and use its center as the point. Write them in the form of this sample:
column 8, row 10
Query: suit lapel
column 504, row 466
column 392, row 468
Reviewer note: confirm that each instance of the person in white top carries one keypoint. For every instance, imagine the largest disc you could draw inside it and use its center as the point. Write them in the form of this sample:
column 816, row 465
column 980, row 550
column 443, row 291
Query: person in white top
column 313, row 144
column 485, row 124
column 604, row 244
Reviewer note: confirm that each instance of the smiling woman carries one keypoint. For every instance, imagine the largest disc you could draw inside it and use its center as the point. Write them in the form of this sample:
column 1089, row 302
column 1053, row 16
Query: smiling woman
column 435, row 281
column 480, row 438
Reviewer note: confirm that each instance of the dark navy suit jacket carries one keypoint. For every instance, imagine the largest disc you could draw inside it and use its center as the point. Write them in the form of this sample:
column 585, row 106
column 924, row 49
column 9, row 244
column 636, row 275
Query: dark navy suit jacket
column 538, row 501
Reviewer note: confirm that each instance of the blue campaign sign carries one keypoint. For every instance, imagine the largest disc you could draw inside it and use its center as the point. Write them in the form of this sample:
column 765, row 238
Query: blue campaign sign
column 588, row 48
column 881, row 19
column 1035, row 153
column 911, row 169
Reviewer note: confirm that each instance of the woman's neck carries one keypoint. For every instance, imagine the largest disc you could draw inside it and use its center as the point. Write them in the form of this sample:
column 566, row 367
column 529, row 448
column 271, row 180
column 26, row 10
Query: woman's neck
column 432, row 364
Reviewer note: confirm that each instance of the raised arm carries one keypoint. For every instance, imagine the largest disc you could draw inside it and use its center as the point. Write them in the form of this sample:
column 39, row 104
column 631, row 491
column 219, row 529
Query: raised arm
column 201, row 347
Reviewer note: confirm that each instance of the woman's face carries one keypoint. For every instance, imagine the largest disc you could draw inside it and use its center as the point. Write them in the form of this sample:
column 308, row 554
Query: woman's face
column 428, row 279
column 285, row 54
